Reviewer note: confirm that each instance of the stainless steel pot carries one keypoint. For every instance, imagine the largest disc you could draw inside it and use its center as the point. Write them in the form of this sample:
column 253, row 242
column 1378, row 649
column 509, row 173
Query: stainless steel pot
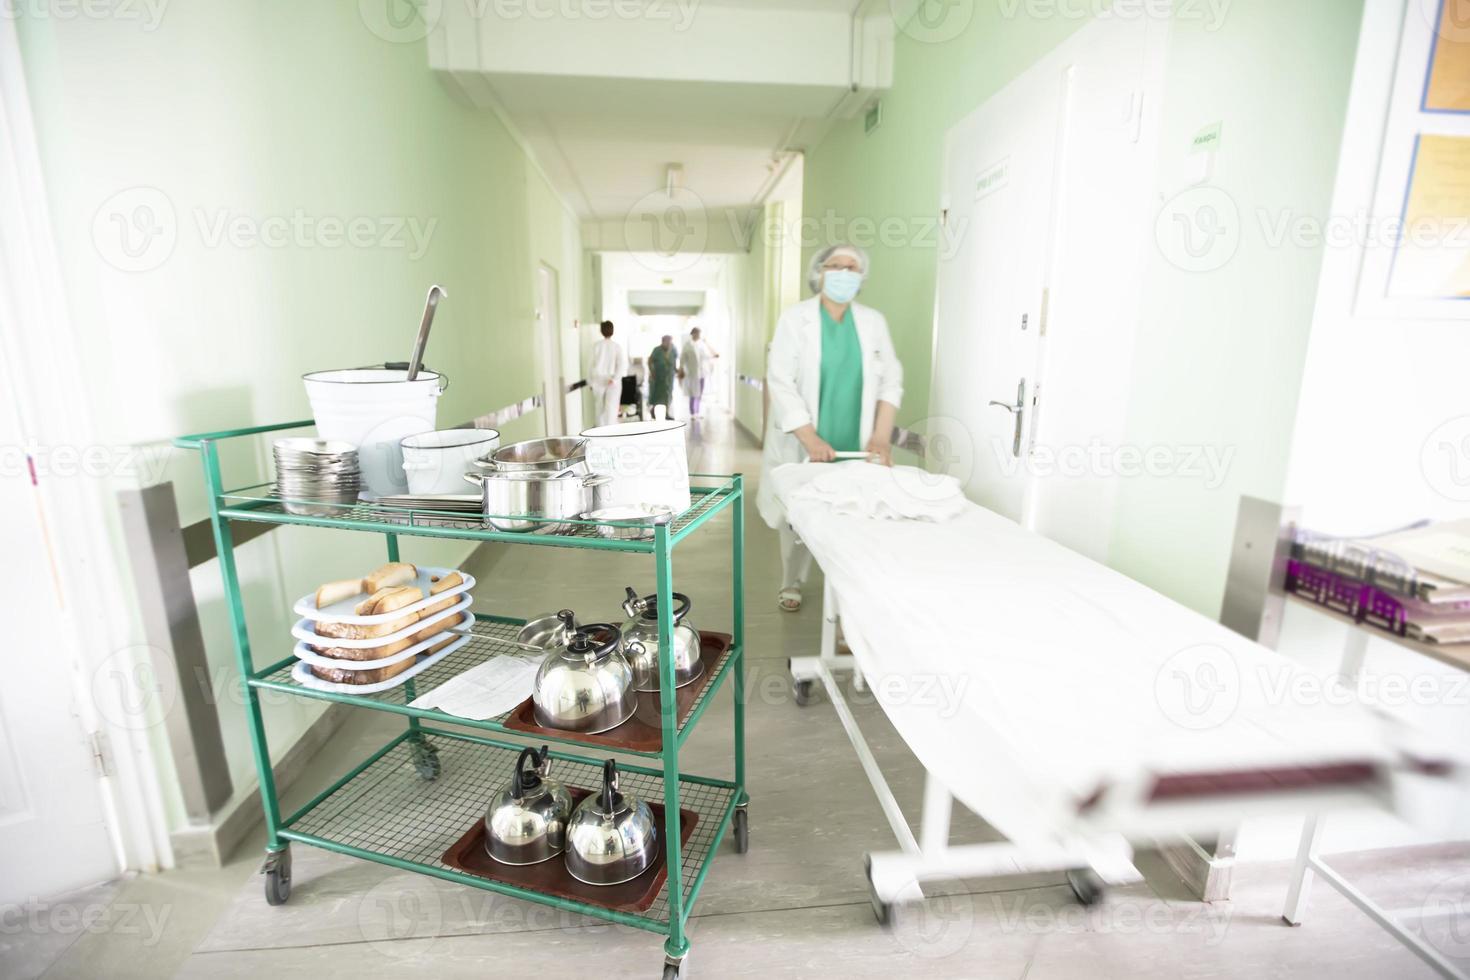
column 611, row 837
column 641, row 646
column 526, row 822
column 525, row 502
column 552, row 455
column 586, row 685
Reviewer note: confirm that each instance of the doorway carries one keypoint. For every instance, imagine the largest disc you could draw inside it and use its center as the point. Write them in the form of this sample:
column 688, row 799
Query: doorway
column 555, row 400
column 1046, row 190
column 54, row 834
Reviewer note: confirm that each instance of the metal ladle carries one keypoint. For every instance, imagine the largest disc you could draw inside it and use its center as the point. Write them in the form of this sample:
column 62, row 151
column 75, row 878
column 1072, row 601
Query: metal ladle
column 436, row 293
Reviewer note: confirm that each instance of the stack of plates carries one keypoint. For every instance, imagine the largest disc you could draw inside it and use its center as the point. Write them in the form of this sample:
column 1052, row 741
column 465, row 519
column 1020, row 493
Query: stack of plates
column 316, row 470
column 464, row 503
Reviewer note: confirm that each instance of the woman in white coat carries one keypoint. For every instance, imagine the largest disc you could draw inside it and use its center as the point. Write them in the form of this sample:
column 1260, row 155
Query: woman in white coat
column 835, row 385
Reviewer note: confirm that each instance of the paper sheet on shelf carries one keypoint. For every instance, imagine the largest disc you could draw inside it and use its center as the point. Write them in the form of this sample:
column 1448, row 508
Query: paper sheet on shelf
column 480, row 693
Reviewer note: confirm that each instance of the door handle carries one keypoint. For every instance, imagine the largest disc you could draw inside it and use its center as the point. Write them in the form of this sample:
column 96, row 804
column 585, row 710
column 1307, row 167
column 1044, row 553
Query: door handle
column 1018, row 412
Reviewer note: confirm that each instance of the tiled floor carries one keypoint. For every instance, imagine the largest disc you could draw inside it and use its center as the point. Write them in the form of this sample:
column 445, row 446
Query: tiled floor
column 795, row 906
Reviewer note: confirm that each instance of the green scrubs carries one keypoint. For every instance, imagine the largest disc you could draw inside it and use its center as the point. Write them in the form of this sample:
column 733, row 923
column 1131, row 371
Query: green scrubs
column 840, row 404
column 661, row 366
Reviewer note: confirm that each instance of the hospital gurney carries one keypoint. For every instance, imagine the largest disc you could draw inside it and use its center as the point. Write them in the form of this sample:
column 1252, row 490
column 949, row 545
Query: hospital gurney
column 1071, row 707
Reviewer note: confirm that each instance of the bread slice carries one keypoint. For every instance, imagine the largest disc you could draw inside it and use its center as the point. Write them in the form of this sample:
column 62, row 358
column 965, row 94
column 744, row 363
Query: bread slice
column 437, row 628
column 339, row 676
column 440, row 645
column 391, row 574
column 450, row 581
column 369, row 653
column 334, row 592
column 355, row 631
column 388, row 600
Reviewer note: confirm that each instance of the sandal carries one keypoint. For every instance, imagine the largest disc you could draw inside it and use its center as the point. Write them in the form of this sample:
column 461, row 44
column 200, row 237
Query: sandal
column 789, row 600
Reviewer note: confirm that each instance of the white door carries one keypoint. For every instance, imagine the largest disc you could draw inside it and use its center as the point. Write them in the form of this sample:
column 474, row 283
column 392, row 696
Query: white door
column 53, row 833
column 548, row 329
column 998, row 208
column 1048, row 289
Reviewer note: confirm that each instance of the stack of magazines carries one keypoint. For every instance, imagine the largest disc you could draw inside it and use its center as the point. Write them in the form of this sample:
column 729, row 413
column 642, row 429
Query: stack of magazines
column 1413, row 582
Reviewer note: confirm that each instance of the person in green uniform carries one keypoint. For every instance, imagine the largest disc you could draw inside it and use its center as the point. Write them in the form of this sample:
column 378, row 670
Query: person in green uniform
column 663, row 364
column 835, row 386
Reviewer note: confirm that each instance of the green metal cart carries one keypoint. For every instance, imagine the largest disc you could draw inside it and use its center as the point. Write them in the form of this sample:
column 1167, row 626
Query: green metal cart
column 405, row 803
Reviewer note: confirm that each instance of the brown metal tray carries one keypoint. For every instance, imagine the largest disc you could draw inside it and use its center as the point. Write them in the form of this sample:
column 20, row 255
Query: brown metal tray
column 551, row 877
column 642, row 732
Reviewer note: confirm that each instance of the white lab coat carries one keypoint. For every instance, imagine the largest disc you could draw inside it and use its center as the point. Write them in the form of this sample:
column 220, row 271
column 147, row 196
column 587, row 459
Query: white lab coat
column 609, row 367
column 698, row 362
column 794, row 383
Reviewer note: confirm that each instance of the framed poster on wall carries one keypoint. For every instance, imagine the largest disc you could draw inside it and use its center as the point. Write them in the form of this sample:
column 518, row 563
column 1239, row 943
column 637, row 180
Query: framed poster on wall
column 1416, row 240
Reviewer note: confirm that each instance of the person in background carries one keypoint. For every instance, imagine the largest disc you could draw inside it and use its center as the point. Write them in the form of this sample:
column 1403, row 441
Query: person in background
column 835, row 386
column 663, row 366
column 696, row 364
column 609, row 366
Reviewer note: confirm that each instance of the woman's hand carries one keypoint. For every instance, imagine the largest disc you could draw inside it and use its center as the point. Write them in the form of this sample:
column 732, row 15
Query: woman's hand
column 879, row 450
column 817, row 449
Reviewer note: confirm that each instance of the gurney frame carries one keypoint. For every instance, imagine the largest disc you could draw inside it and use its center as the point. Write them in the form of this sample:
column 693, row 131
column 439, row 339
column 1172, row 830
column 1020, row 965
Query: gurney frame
column 896, row 878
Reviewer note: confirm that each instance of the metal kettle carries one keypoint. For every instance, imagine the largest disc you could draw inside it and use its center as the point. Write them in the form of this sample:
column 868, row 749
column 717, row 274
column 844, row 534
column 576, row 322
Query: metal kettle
column 586, row 685
column 640, row 641
column 611, row 837
column 526, row 822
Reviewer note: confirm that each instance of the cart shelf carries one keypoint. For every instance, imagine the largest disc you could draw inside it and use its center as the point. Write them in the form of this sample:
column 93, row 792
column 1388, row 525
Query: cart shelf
column 385, row 811
column 417, row 795
column 278, row 677
column 261, row 504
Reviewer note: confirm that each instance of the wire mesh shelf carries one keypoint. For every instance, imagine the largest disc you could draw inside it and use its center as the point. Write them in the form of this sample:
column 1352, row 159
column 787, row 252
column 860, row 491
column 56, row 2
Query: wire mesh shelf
column 480, row 648
column 387, row 808
column 262, row 503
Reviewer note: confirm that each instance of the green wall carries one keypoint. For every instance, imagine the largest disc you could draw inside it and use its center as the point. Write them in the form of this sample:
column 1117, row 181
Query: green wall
column 1219, row 354
column 855, row 181
column 245, row 116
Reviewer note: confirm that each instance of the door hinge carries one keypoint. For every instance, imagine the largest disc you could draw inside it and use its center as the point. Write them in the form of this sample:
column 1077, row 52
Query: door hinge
column 101, row 754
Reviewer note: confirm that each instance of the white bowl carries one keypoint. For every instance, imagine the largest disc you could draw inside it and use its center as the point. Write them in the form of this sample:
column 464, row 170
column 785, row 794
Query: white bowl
column 437, row 461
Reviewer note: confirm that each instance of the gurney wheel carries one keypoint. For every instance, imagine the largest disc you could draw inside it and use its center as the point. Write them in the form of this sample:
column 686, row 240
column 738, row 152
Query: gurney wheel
column 1086, row 885
column 882, row 911
column 802, row 691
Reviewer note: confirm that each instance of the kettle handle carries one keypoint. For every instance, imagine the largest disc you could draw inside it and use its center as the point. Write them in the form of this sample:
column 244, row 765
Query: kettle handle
column 634, row 606
column 518, row 785
column 609, row 785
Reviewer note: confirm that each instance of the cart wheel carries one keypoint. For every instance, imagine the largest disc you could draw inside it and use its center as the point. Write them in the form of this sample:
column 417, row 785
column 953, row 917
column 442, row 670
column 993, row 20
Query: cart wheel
column 426, row 760
column 885, row 912
column 676, row 971
column 277, row 871
column 1087, row 885
column 742, row 831
column 802, row 691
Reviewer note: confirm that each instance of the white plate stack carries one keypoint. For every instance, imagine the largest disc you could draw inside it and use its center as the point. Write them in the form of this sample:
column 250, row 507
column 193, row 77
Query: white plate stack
column 316, row 470
column 425, row 638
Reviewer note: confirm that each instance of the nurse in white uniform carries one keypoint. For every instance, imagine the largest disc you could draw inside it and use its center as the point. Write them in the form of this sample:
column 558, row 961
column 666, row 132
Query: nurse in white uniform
column 835, row 386
column 696, row 364
column 609, row 366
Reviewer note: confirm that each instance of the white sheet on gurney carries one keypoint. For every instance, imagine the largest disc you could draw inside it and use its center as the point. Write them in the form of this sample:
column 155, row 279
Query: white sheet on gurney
column 1022, row 673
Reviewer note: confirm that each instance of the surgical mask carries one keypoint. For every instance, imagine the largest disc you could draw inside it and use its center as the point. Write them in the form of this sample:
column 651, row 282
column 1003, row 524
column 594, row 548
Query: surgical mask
column 841, row 285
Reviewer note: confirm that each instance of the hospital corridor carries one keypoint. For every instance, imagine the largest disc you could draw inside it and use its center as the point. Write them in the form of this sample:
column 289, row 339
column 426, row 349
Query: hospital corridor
column 735, row 488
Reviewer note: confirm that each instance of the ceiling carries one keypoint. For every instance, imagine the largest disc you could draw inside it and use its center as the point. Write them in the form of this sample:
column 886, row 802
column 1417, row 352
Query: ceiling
column 607, row 143
column 606, row 108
